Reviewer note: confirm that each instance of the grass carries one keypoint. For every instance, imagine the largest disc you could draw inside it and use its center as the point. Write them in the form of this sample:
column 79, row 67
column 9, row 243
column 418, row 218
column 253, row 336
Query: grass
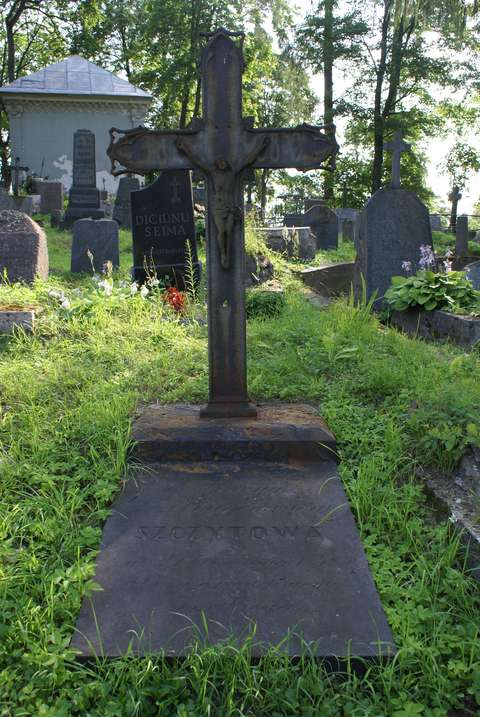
column 445, row 240
column 67, row 396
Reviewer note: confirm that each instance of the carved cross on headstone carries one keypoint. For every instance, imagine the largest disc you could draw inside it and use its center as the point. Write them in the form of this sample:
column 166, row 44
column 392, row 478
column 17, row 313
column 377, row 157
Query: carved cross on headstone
column 397, row 146
column 223, row 145
column 16, row 169
column 175, row 184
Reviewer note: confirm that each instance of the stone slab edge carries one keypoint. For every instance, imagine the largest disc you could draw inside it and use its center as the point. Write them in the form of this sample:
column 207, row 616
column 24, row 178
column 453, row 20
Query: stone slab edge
column 454, row 502
column 22, row 318
column 280, row 432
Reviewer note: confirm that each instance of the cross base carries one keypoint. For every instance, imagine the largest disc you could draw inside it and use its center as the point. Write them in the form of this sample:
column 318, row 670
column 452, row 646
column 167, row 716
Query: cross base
column 238, row 409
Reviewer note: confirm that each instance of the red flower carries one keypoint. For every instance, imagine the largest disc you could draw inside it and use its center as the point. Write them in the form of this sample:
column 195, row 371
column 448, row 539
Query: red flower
column 175, row 298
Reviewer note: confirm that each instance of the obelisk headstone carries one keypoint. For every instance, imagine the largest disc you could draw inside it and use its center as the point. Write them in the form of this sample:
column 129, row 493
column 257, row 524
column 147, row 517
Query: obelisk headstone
column 83, row 197
column 393, row 227
column 163, row 228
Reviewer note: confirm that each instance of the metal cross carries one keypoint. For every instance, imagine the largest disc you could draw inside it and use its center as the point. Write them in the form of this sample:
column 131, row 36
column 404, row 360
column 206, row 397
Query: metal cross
column 223, row 145
column 16, row 169
column 397, row 146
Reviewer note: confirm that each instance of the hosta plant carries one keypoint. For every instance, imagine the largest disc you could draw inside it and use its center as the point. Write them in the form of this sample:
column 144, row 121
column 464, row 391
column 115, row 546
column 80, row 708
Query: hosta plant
column 430, row 290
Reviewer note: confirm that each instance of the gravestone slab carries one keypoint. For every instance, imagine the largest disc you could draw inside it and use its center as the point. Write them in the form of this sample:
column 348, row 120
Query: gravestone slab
column 100, row 238
column 436, row 222
column 83, row 197
column 239, row 540
column 348, row 230
column 473, row 273
column 307, row 244
column 51, row 196
column 23, row 247
column 323, row 223
column 162, row 223
column 122, row 208
column 394, row 224
column 461, row 236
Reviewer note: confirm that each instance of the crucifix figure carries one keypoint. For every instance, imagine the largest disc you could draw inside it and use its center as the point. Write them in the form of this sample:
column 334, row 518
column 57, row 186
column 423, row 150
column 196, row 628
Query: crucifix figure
column 16, row 169
column 397, row 146
column 224, row 146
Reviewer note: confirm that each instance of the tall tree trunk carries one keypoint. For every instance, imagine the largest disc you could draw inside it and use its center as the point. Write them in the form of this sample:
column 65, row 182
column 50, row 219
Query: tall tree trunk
column 328, row 114
column 378, row 118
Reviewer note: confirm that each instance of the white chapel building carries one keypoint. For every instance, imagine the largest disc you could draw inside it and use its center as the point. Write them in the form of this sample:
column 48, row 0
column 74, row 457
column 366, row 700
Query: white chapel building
column 48, row 106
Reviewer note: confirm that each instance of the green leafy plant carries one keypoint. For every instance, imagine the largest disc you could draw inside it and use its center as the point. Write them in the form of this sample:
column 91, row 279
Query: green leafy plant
column 431, row 290
column 265, row 304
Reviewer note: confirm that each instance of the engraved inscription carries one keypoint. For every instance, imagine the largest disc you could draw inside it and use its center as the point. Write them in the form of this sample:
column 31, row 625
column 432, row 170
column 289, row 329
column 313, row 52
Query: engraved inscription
column 211, row 533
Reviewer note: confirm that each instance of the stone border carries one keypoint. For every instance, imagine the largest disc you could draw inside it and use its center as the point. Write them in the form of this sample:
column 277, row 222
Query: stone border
column 455, row 503
column 462, row 330
column 329, row 280
column 12, row 318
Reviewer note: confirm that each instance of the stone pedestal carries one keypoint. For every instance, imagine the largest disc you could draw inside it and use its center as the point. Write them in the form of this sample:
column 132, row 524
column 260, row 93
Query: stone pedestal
column 230, row 524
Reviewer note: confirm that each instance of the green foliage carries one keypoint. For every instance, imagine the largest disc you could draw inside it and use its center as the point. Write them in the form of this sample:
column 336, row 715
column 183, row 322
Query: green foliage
column 68, row 392
column 460, row 162
column 260, row 303
column 430, row 290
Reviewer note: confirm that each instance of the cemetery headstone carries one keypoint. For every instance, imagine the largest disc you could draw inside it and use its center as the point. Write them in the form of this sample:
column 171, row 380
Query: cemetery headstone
column 461, row 236
column 23, row 247
column 122, row 207
column 436, row 222
column 95, row 242
column 348, row 230
column 322, row 221
column 51, row 196
column 307, row 244
column 246, row 521
column 473, row 273
column 162, row 224
column 83, row 197
column 393, row 227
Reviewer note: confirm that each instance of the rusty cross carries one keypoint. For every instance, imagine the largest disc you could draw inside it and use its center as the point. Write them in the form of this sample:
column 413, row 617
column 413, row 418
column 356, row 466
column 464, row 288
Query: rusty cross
column 223, row 145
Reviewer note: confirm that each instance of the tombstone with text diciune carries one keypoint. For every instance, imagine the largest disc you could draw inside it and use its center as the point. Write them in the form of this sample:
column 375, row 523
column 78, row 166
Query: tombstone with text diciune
column 162, row 227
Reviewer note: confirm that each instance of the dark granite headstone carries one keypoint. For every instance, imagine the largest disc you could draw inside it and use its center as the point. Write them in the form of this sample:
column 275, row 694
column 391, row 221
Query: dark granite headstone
column 393, row 227
column 51, row 196
column 322, row 221
column 473, row 273
column 83, row 197
column 122, row 209
column 23, row 248
column 162, row 223
column 461, row 236
column 98, row 238
column 324, row 224
column 348, row 230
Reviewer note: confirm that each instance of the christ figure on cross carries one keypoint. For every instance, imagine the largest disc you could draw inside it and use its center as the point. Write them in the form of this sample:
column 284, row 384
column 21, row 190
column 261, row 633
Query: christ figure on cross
column 223, row 145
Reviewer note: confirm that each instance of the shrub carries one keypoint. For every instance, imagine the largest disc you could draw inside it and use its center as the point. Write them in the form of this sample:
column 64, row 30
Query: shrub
column 431, row 290
column 265, row 304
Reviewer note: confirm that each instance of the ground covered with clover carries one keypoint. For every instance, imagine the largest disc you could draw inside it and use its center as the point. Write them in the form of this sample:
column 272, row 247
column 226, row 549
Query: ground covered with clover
column 400, row 408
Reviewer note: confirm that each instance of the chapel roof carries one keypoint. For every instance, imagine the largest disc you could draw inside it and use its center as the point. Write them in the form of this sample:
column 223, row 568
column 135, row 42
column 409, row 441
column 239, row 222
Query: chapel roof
column 74, row 76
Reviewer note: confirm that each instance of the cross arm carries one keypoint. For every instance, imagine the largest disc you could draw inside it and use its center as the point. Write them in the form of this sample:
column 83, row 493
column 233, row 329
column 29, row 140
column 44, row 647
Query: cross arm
column 303, row 147
column 142, row 150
